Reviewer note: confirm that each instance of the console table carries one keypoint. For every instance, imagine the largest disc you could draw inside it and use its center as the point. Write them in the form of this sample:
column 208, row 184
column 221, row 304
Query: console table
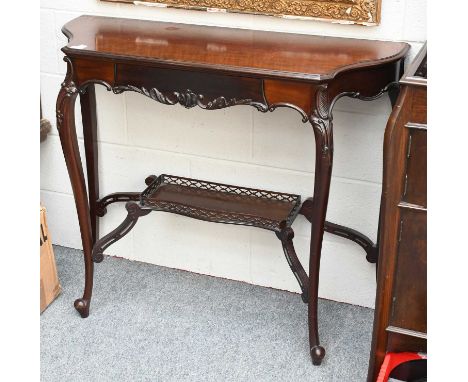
column 215, row 68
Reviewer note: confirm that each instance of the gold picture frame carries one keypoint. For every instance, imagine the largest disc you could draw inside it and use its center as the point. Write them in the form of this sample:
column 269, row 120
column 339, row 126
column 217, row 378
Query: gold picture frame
column 366, row 12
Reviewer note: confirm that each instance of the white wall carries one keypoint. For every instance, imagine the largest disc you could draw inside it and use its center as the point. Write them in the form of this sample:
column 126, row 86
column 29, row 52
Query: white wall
column 240, row 146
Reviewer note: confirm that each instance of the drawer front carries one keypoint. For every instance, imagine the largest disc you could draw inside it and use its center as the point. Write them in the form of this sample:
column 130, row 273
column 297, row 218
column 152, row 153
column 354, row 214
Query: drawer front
column 415, row 188
column 205, row 87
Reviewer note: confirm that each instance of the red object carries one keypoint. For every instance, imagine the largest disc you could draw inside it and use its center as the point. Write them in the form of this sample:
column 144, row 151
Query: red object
column 392, row 360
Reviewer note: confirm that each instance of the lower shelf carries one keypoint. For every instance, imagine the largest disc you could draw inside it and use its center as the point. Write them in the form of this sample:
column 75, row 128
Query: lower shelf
column 221, row 203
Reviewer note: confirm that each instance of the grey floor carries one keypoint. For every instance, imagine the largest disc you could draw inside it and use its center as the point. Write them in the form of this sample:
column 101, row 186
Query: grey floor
column 150, row 323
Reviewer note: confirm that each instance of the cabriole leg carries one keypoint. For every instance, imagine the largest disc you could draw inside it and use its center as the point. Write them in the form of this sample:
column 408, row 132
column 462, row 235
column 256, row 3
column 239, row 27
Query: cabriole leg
column 65, row 110
column 323, row 169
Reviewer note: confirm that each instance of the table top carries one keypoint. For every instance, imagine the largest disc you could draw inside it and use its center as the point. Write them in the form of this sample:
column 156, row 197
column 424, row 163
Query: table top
column 242, row 51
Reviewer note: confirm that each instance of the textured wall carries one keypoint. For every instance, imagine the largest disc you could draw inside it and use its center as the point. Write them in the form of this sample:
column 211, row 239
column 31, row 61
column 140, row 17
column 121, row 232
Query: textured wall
column 139, row 137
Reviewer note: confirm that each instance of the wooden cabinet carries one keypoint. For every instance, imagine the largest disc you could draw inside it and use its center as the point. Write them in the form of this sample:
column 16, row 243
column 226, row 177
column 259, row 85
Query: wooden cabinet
column 401, row 304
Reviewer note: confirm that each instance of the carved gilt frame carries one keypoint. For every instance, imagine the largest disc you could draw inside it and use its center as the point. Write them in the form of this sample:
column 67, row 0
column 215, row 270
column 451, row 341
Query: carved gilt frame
column 365, row 12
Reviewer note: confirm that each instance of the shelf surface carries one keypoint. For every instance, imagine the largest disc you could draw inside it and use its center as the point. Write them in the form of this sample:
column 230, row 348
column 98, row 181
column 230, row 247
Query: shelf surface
column 221, row 203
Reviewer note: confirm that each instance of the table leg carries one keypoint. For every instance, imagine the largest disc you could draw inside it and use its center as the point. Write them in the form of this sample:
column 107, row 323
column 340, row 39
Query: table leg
column 65, row 110
column 88, row 115
column 323, row 169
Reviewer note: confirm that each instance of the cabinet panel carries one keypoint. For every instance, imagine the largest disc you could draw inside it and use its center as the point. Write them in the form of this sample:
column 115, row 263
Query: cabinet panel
column 415, row 191
column 400, row 341
column 409, row 305
column 419, row 105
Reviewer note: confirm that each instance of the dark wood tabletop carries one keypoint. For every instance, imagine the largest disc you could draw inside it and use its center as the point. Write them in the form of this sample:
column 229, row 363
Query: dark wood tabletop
column 286, row 55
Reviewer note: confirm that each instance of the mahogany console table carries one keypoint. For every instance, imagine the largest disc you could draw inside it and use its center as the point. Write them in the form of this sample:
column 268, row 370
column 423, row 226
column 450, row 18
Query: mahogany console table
column 215, row 68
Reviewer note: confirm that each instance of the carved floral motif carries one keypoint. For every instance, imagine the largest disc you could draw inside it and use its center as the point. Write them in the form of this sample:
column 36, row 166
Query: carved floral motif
column 321, row 118
column 68, row 89
column 189, row 99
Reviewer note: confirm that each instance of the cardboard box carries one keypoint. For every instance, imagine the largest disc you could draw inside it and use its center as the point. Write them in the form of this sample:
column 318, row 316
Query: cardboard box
column 50, row 285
